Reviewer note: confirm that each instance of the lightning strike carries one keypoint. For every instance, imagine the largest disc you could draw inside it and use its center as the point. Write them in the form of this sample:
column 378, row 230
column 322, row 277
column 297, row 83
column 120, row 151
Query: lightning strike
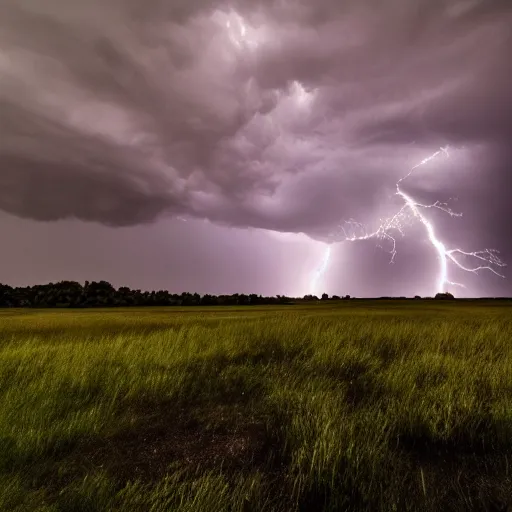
column 487, row 259
column 320, row 271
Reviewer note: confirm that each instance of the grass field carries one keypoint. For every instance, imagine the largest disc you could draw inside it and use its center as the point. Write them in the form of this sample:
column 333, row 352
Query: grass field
column 341, row 406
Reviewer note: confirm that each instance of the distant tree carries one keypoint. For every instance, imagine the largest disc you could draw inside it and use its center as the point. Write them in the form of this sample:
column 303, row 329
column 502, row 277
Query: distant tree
column 100, row 293
column 444, row 296
column 347, row 296
column 417, row 297
column 254, row 299
column 208, row 300
column 6, row 296
column 335, row 297
column 244, row 300
column 325, row 296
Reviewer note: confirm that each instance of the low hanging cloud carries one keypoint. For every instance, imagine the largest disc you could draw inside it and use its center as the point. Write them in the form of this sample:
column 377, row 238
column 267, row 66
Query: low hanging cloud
column 290, row 116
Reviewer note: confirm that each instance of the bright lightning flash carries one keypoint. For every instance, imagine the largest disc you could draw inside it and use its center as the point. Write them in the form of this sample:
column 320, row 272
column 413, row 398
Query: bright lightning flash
column 320, row 271
column 486, row 259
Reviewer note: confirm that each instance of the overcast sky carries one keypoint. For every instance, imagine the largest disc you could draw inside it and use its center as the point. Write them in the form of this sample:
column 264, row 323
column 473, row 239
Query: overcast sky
column 217, row 146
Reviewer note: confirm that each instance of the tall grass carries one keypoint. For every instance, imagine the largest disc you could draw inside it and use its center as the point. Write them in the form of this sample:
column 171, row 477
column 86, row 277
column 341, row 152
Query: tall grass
column 354, row 406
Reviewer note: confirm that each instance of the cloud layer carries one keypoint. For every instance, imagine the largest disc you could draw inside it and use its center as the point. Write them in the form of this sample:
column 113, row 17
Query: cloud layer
column 290, row 116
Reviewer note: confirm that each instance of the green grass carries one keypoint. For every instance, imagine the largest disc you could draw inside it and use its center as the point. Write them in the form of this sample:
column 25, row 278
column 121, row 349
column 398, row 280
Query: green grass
column 355, row 405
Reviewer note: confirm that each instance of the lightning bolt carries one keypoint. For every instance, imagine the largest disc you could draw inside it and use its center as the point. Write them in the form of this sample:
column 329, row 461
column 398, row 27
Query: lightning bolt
column 320, row 271
column 486, row 259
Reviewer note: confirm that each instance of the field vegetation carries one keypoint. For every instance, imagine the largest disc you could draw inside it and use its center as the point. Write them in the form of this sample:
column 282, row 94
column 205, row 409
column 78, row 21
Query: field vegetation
column 339, row 406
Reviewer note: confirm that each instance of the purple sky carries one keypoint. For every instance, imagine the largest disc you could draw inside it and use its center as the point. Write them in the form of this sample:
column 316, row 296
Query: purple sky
column 216, row 146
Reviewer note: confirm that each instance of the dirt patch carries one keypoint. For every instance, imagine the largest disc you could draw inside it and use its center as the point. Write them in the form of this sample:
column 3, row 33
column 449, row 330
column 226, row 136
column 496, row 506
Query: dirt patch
column 220, row 437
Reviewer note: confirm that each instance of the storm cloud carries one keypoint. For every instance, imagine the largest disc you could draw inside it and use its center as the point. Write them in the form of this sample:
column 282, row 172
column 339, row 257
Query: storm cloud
column 290, row 116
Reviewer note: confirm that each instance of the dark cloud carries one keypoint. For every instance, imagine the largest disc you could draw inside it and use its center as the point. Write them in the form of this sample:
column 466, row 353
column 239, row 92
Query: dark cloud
column 288, row 116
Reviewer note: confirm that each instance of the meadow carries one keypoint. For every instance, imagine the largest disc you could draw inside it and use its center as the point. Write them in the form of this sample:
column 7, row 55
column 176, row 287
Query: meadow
column 339, row 406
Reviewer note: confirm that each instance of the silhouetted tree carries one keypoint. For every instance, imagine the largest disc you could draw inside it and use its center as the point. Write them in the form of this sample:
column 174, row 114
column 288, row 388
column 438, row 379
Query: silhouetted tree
column 444, row 296
column 6, row 296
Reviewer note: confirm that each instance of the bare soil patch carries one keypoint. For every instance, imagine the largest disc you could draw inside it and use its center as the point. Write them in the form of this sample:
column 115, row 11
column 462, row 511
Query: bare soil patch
column 217, row 437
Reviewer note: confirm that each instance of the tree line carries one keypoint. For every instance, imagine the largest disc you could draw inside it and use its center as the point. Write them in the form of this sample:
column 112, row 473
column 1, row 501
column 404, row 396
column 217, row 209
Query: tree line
column 70, row 294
